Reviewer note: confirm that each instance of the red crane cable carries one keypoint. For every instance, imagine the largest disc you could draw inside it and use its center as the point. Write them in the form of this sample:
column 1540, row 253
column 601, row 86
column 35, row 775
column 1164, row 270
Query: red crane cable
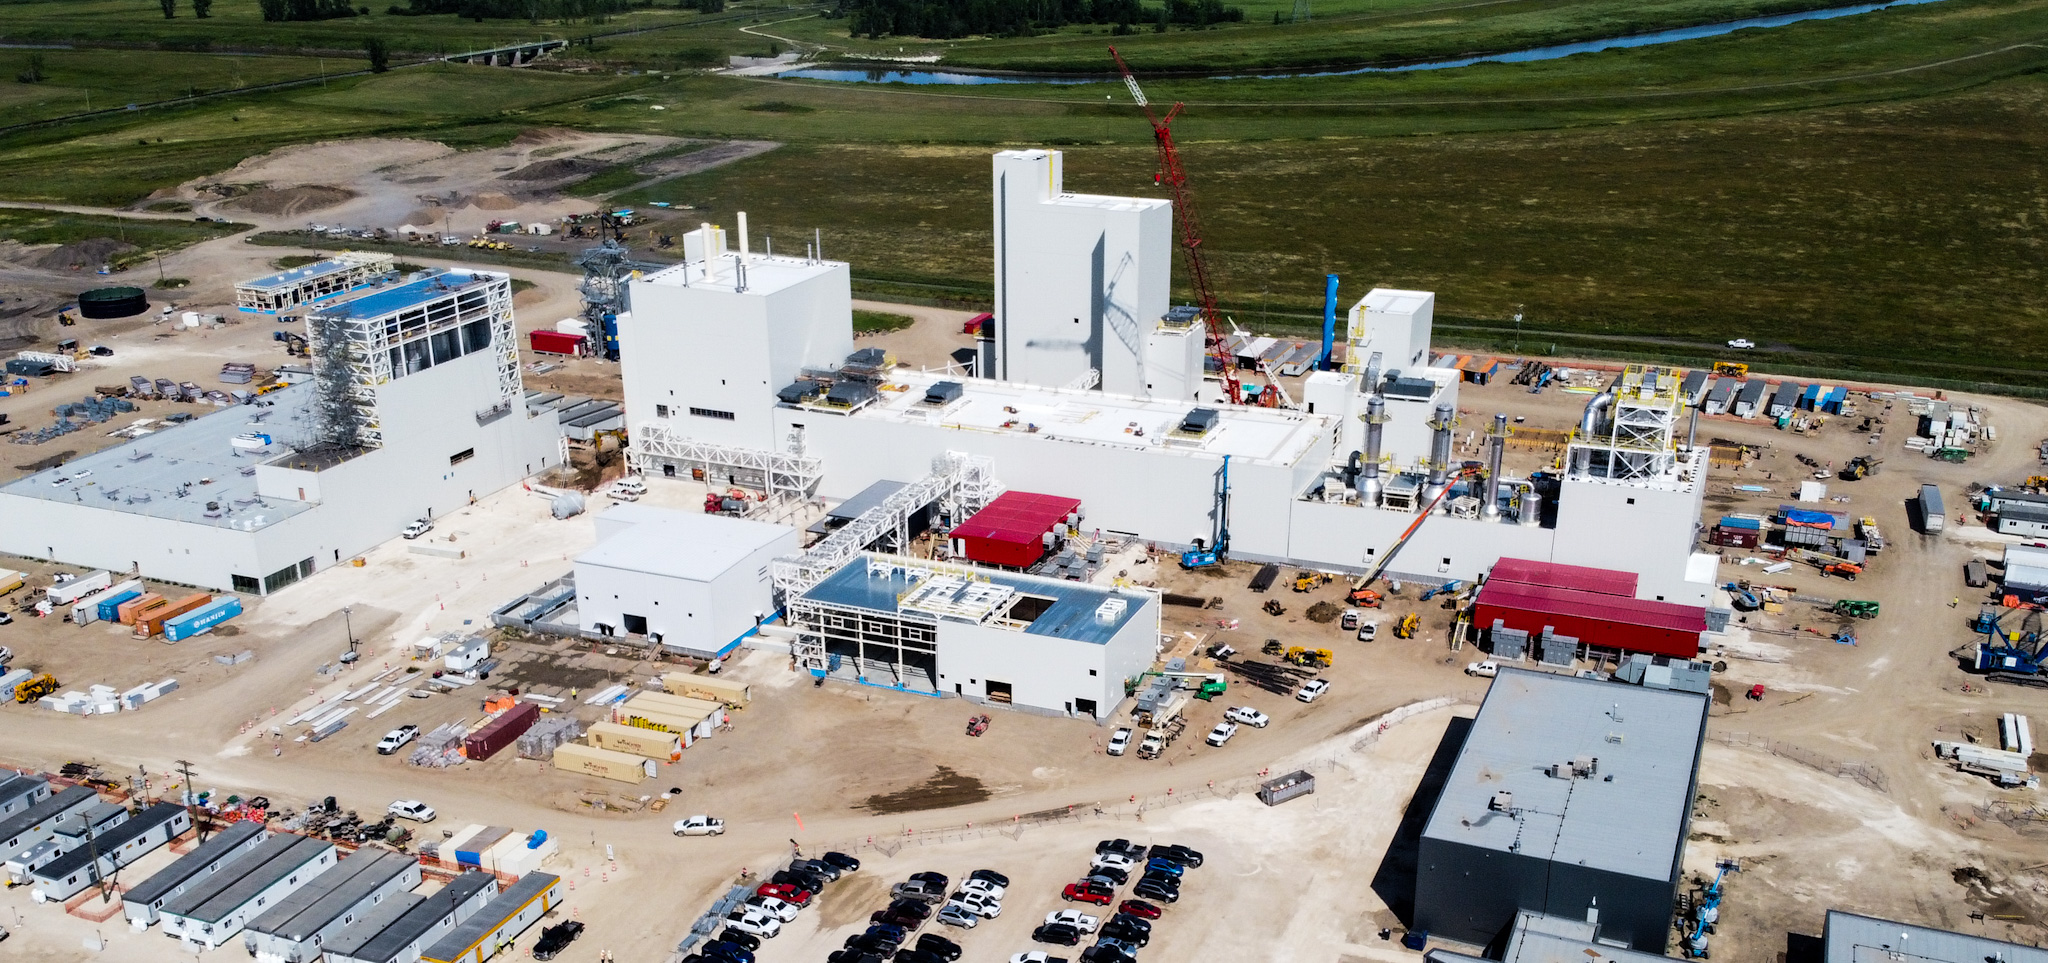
column 1176, row 180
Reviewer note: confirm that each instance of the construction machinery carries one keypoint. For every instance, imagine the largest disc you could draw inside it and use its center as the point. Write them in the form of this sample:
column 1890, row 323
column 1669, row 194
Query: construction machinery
column 1363, row 598
column 1860, row 467
column 1706, row 912
column 1207, row 685
column 1448, row 588
column 1847, row 570
column 1218, row 549
column 1407, row 626
column 2014, row 658
column 1307, row 582
column 977, row 724
column 294, row 342
column 1387, row 558
column 1730, row 369
column 1954, row 456
column 1273, row 607
column 2036, row 481
column 1175, row 179
column 1311, row 658
column 35, row 687
column 1273, row 647
column 1856, row 608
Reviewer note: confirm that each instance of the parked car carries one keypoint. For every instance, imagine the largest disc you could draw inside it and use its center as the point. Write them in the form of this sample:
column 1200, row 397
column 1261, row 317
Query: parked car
column 1035, row 956
column 1741, row 344
column 1163, row 867
column 888, row 931
column 955, row 914
column 749, row 920
column 1124, row 929
column 818, row 866
column 981, row 904
column 846, row 864
column 719, row 951
column 748, row 940
column 396, row 739
column 1191, row 858
column 1485, row 670
column 1368, row 632
column 1119, row 742
column 918, row 956
column 1057, row 934
column 1222, row 733
column 988, row 888
column 896, row 915
column 1074, row 918
column 1113, row 860
column 1106, row 954
column 1313, row 690
column 787, row 892
column 771, row 906
column 556, row 938
column 1126, row 947
column 412, row 809
column 1156, row 891
column 1124, row 846
column 1138, row 908
column 1087, row 891
column 799, row 879
column 991, row 876
column 848, row 955
column 919, row 889
column 1111, row 875
column 939, row 946
column 1248, row 716
column 700, row 825
column 419, row 526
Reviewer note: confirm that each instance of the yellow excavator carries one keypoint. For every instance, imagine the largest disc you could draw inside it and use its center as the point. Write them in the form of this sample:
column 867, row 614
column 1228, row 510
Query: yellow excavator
column 1311, row 658
column 1407, row 626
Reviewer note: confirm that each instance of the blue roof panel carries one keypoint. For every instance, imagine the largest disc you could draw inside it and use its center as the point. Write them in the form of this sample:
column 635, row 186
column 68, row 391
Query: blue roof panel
column 1071, row 615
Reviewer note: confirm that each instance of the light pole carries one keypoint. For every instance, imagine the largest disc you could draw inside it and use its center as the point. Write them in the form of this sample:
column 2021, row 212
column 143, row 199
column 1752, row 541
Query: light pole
column 349, row 624
column 1518, row 329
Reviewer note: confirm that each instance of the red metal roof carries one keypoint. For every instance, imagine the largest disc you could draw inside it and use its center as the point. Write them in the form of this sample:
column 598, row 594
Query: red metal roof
column 1594, row 605
column 1553, row 575
column 1017, row 517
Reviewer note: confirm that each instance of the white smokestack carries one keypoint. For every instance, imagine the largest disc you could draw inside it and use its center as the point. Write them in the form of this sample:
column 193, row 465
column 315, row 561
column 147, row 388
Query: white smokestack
column 745, row 255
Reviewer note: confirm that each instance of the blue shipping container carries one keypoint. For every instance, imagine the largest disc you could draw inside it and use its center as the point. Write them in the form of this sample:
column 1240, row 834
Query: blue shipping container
column 111, row 606
column 202, row 619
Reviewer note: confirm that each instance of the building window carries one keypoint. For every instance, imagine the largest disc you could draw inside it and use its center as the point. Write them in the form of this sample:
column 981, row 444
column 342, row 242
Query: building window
column 660, row 411
column 1092, row 672
column 712, row 413
column 1631, row 501
column 243, row 584
column 461, row 456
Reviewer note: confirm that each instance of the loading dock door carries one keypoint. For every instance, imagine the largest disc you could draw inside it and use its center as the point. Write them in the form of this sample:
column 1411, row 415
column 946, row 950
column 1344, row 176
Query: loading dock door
column 635, row 624
column 999, row 692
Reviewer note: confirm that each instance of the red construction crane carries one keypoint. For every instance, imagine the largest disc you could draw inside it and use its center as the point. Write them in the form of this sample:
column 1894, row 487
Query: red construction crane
column 1176, row 179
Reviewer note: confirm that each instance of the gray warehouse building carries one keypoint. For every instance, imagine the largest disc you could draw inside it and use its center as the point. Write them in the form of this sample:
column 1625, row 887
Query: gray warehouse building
column 390, row 935
column 140, row 905
column 1852, row 938
column 1572, row 798
column 1537, row 938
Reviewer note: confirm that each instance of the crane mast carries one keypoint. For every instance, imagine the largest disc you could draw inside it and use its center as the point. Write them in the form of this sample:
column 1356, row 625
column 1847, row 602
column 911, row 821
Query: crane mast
column 1176, row 180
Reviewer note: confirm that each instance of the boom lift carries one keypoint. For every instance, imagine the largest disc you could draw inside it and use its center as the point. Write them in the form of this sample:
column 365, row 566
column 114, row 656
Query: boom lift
column 1218, row 549
column 1707, row 913
column 1386, row 559
column 2014, row 658
column 1176, row 180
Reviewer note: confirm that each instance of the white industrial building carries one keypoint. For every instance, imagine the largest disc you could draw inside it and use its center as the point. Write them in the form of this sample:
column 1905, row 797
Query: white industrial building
column 1040, row 643
column 414, row 407
column 299, row 287
column 683, row 580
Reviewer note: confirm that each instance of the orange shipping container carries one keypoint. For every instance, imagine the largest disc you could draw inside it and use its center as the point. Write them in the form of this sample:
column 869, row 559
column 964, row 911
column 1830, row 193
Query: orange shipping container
column 128, row 609
column 152, row 622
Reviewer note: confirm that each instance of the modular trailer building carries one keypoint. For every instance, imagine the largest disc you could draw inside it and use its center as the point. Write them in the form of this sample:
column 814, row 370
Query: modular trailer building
column 385, row 935
column 1569, row 797
column 141, row 903
column 210, row 914
column 21, row 790
column 105, row 853
column 293, row 930
column 491, row 928
column 39, row 822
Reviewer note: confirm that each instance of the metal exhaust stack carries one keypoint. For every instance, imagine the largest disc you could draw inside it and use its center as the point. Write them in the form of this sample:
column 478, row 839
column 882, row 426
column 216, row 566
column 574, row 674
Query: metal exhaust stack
column 1692, row 430
column 1440, row 449
column 1500, row 443
column 1369, row 475
column 745, row 254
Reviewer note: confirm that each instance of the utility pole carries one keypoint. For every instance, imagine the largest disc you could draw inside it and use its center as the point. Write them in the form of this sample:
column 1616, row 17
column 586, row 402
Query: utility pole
column 191, row 799
column 1518, row 329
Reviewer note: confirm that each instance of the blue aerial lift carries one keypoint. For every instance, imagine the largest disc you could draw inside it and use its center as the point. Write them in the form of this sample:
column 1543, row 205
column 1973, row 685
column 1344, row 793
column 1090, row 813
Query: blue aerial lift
column 1707, row 913
column 1218, row 548
column 2014, row 658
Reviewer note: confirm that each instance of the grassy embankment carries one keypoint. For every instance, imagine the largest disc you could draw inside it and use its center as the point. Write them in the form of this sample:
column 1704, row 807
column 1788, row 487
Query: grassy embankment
column 151, row 236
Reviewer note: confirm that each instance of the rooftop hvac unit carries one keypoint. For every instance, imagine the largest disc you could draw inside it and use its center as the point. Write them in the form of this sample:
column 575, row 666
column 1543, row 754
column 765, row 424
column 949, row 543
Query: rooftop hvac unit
column 1501, row 802
column 1199, row 420
column 1111, row 610
column 943, row 392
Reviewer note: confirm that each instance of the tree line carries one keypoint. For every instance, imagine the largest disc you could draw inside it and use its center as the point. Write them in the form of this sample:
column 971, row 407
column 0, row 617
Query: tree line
column 516, row 9
column 951, row 19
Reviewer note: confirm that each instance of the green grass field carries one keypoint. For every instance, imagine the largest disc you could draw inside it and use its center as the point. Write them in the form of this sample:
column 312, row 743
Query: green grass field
column 81, row 80
column 149, row 235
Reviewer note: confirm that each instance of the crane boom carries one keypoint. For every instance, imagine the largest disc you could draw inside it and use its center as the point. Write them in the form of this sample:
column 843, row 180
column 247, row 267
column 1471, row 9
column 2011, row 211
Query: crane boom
column 1176, row 180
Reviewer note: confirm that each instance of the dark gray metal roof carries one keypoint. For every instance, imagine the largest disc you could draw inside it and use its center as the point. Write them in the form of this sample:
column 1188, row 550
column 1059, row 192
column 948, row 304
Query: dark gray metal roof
column 293, row 853
column 16, row 786
column 1788, row 394
column 507, row 905
column 298, row 916
column 388, row 942
column 192, row 864
column 1627, row 815
column 110, row 841
column 867, row 499
column 1851, row 938
column 242, row 865
column 60, row 803
column 1538, row 938
column 1694, row 382
column 380, row 918
column 1752, row 392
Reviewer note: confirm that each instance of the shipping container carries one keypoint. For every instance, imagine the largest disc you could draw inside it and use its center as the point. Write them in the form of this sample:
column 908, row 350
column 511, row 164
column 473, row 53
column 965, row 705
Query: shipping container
column 658, row 718
column 605, row 763
column 152, row 622
column 87, row 610
column 202, row 619
column 1273, row 792
column 708, row 687
column 500, row 732
column 78, row 588
column 125, row 612
column 471, row 852
column 685, row 706
column 649, row 743
column 556, row 342
column 110, row 606
column 1931, row 512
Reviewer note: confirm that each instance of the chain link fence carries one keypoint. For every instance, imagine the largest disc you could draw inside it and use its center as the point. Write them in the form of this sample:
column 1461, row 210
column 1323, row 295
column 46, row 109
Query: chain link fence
column 1870, row 775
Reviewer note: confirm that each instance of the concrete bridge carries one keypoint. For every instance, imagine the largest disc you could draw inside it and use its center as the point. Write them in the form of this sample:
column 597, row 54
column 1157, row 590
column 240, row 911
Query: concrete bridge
column 516, row 55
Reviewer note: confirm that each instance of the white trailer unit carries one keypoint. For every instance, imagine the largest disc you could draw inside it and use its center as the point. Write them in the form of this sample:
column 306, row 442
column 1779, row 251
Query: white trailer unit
column 497, row 925
column 78, row 588
column 293, row 930
column 210, row 915
column 38, row 823
column 105, row 853
column 140, row 904
column 18, row 792
column 386, row 935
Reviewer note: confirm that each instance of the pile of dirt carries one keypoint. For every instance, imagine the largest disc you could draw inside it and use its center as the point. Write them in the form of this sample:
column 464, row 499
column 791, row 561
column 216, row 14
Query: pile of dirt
column 87, row 254
column 290, row 200
column 560, row 168
column 493, row 201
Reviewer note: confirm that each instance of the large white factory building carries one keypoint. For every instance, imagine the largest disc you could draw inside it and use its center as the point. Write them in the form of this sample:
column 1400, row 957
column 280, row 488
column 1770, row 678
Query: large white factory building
column 415, row 406
column 791, row 409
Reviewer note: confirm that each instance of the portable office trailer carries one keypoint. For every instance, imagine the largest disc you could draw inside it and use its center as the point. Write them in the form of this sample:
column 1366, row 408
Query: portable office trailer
column 38, row 823
column 1786, row 400
column 293, row 930
column 78, row 588
column 105, row 853
column 18, row 792
column 1749, row 402
column 384, row 937
column 141, row 903
column 210, row 915
column 633, row 740
column 1694, row 388
column 480, row 937
column 97, row 819
column 21, row 866
column 1718, row 397
column 604, row 763
column 1931, row 512
column 11, row 580
column 707, row 687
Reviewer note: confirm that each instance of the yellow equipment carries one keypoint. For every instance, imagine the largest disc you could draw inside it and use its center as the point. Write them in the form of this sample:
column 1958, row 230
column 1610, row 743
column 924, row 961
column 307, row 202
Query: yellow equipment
column 1311, row 658
column 1307, row 582
column 1405, row 629
column 2037, row 481
column 1731, row 369
column 35, row 688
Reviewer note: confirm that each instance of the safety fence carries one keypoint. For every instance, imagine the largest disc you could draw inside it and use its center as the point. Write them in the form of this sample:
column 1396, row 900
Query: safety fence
column 1870, row 775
